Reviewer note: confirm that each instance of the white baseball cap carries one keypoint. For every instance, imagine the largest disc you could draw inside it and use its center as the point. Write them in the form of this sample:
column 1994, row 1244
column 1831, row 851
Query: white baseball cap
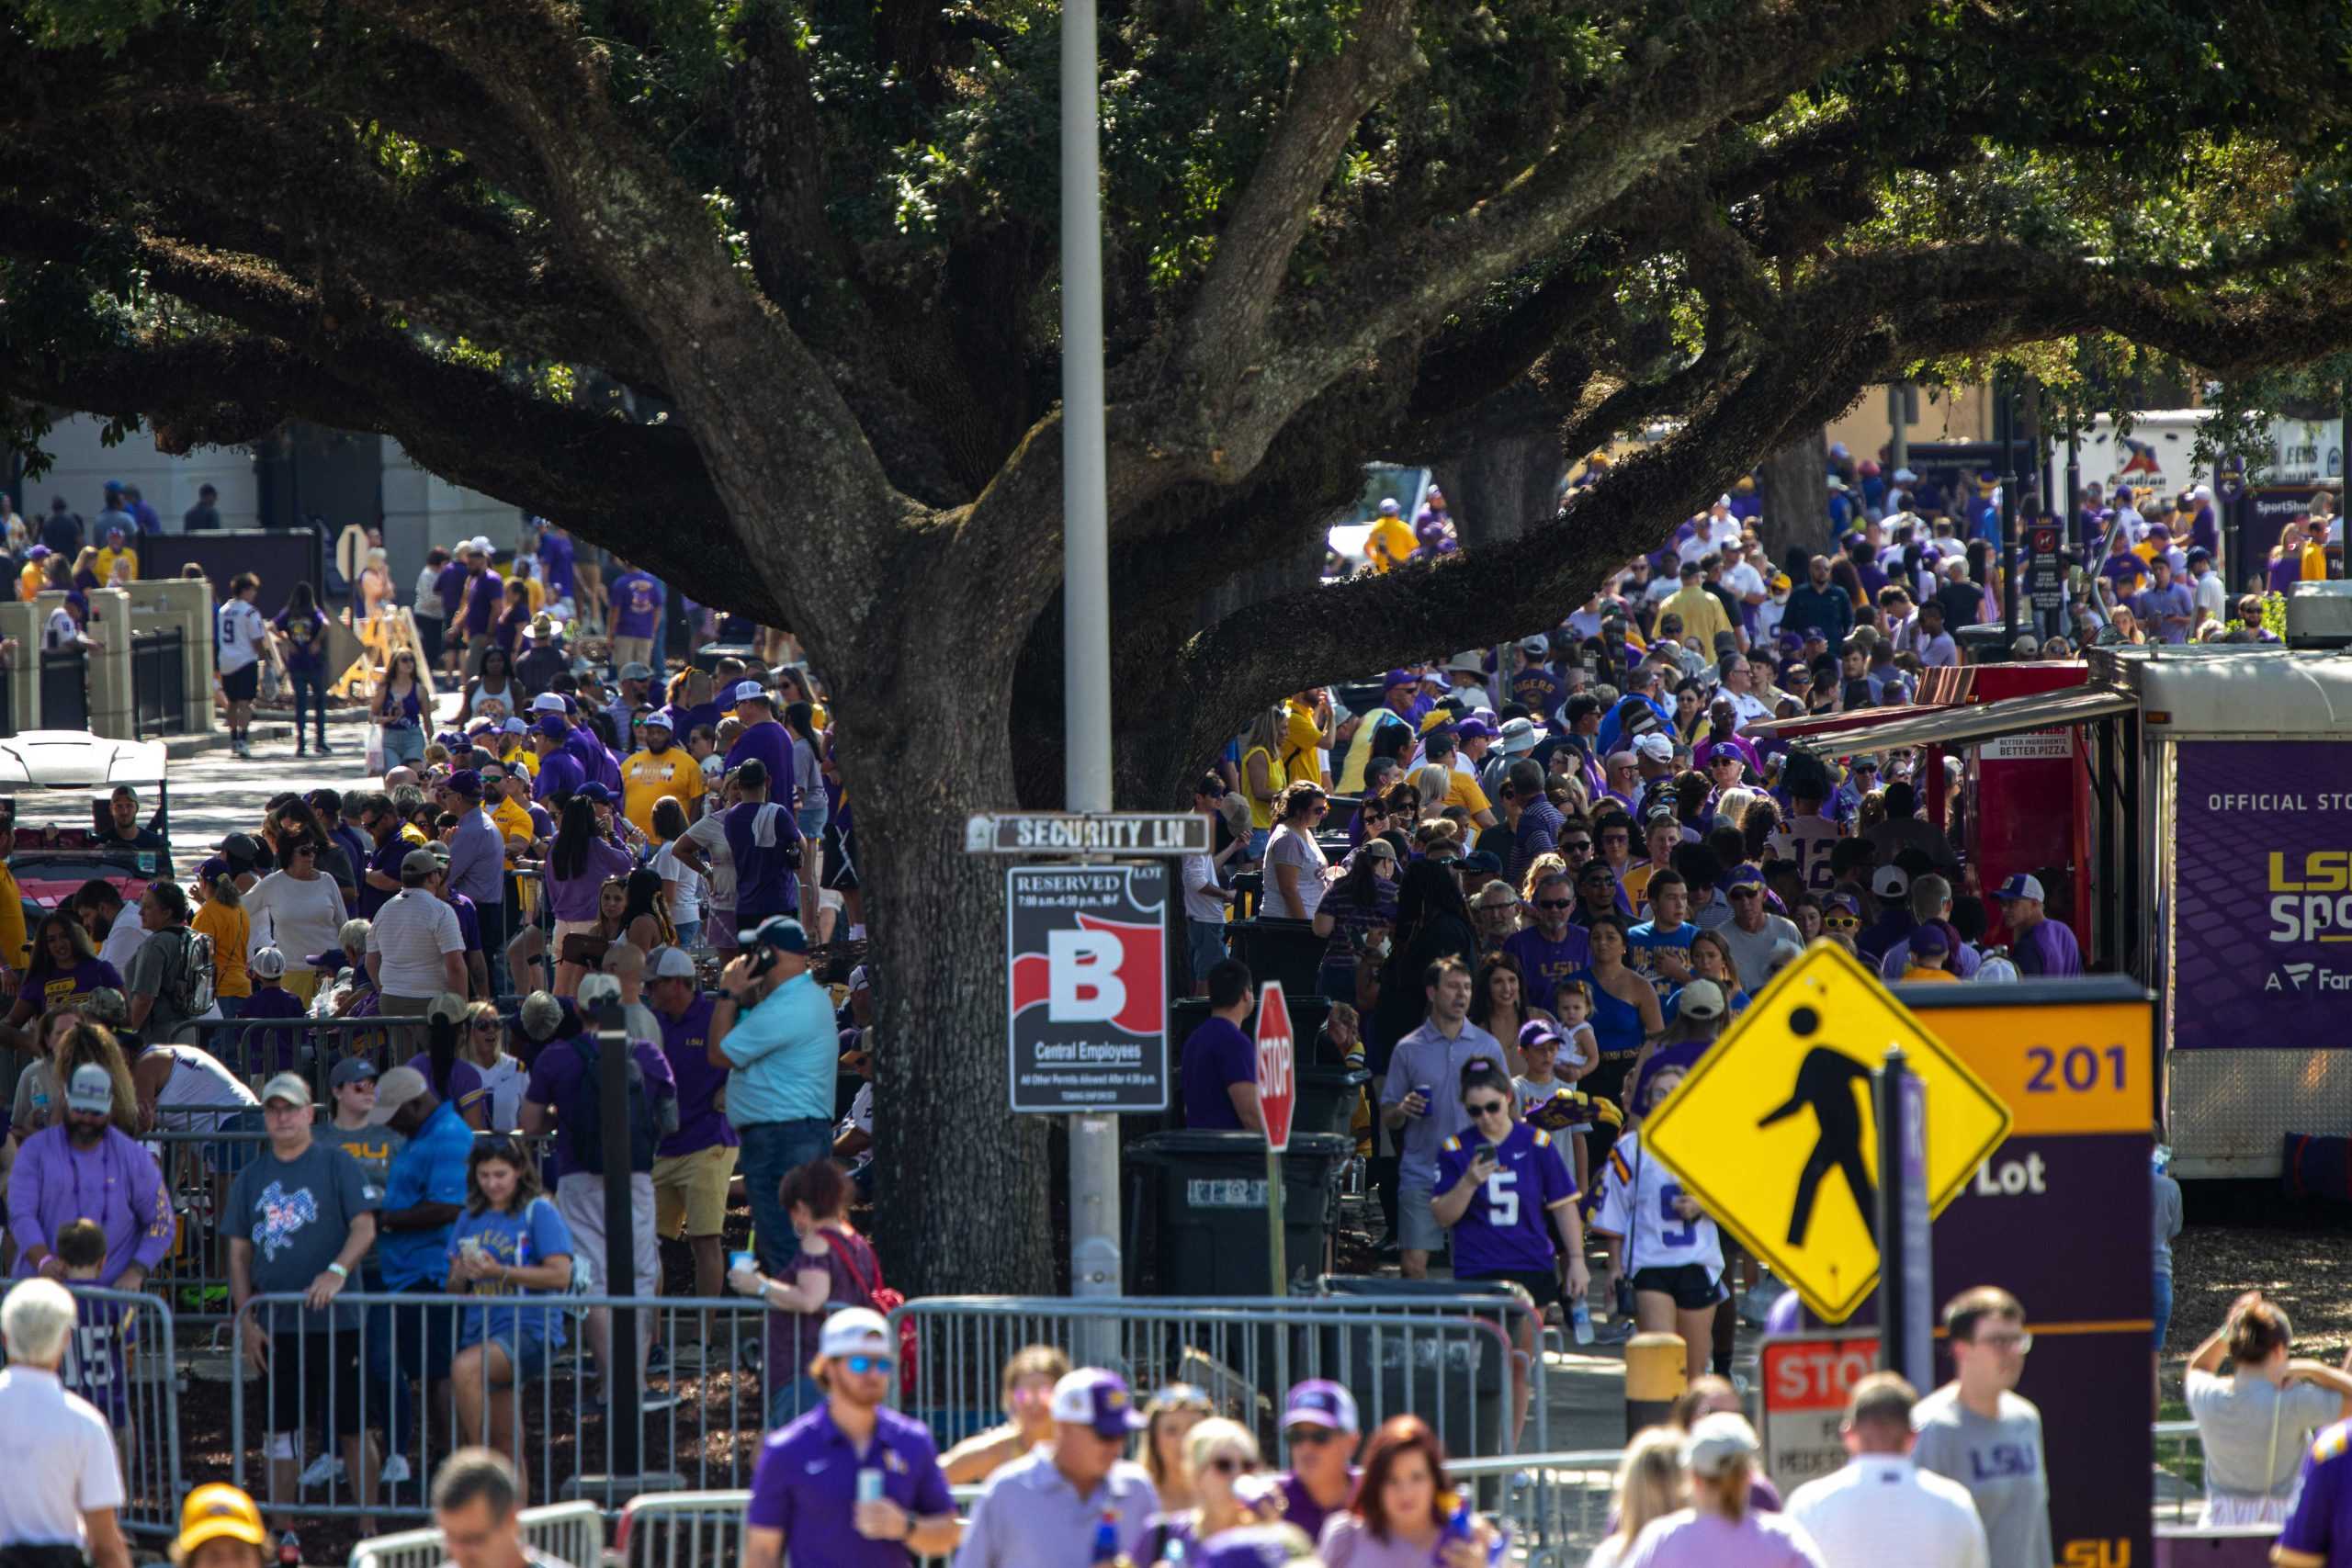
column 751, row 691
column 1716, row 1441
column 90, row 1090
column 673, row 963
column 856, row 1331
column 1656, row 748
column 548, row 701
column 2020, row 886
column 267, row 962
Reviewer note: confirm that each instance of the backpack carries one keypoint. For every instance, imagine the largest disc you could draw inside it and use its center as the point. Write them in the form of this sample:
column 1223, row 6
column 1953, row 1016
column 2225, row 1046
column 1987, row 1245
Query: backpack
column 584, row 1116
column 886, row 1301
column 188, row 990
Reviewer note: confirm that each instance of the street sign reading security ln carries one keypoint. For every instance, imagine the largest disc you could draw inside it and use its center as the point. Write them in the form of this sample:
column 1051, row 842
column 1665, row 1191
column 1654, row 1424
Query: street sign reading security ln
column 1773, row 1130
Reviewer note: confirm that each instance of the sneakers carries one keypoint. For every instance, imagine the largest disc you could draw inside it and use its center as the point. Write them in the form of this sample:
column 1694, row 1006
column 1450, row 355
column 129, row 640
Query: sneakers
column 394, row 1471
column 324, row 1470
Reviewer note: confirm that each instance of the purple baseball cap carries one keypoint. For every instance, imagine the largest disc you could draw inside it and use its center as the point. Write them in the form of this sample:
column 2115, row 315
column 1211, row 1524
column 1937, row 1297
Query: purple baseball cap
column 466, row 782
column 1745, row 877
column 1399, row 678
column 1844, row 903
column 1530, row 1032
column 594, row 791
column 1093, row 1398
column 553, row 725
column 1319, row 1402
column 1928, row 941
column 1723, row 749
column 1473, row 729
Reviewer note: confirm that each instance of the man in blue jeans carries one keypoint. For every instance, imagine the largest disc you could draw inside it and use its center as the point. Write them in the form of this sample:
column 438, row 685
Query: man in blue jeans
column 772, row 1030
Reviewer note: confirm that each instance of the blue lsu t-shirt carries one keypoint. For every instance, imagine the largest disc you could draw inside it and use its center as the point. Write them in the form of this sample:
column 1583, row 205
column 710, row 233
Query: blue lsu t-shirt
column 1646, row 941
column 1217, row 1057
column 525, row 1241
column 1507, row 1229
column 429, row 1168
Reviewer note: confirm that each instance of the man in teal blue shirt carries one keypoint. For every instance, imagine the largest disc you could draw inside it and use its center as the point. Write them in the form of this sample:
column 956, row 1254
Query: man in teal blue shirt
column 424, row 1192
column 773, row 1030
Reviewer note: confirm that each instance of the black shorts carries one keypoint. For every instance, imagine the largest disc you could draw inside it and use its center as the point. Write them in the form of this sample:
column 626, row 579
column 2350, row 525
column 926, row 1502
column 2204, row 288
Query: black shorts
column 1542, row 1284
column 1693, row 1288
column 242, row 685
column 314, row 1380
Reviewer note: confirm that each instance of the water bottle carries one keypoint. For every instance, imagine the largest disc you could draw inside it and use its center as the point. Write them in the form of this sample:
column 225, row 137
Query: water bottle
column 1106, row 1540
column 1580, row 1321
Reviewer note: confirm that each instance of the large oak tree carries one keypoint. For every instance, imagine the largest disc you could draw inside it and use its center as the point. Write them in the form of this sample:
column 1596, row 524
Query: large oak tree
column 762, row 296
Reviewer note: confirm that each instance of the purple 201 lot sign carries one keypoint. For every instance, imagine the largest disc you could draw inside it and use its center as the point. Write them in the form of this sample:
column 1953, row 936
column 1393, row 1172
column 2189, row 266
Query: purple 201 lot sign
column 2263, row 891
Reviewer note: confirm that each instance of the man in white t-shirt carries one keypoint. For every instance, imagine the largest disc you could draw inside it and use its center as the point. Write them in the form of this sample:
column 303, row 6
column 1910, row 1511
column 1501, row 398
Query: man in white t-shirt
column 240, row 643
column 1881, row 1507
column 112, row 923
column 61, row 1481
column 2210, row 593
column 416, row 948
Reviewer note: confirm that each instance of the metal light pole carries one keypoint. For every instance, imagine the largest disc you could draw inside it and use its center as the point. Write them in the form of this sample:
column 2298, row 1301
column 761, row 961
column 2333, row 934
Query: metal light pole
column 1095, row 1269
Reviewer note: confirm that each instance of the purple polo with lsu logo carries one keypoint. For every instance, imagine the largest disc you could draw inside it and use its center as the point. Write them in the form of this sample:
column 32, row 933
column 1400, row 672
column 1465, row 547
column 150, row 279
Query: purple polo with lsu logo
column 701, row 1124
column 806, row 1486
column 636, row 604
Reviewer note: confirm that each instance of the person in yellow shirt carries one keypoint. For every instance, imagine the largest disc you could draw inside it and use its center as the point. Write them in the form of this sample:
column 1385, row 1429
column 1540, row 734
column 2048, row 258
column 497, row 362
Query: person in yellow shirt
column 2314, row 562
column 1702, row 615
column 1462, row 788
column 1390, row 543
column 658, row 768
column 34, row 577
column 509, row 805
column 1307, row 729
column 1261, row 775
column 118, row 548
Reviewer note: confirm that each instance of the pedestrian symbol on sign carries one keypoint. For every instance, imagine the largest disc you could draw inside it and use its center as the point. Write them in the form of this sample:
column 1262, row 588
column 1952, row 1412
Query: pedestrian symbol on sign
column 1836, row 1088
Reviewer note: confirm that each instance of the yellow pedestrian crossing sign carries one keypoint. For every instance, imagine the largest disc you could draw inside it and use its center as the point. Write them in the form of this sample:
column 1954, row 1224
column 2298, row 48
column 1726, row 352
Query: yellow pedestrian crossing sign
column 1773, row 1133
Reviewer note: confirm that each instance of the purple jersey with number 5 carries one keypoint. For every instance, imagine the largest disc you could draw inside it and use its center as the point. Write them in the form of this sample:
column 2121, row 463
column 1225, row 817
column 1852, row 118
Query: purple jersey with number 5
column 1507, row 1227
column 94, row 1361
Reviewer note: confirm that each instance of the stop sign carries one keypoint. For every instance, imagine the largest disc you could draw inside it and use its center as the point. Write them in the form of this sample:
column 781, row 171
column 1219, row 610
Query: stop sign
column 1277, row 1082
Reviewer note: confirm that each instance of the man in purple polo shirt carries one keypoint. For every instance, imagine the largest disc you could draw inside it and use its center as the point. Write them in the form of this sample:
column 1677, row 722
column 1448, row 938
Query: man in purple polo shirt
column 695, row 1163
column 1220, row 1063
column 807, row 1490
column 1319, row 1424
column 485, row 594
column 382, row 877
column 2041, row 947
column 1552, row 949
column 559, row 771
column 768, row 852
column 2318, row 1532
column 763, row 736
column 637, row 599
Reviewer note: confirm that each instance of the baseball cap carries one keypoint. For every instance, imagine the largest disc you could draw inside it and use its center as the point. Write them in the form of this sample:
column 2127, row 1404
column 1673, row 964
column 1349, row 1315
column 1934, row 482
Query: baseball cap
column 553, row 725
column 1842, row 903
column 637, row 670
column 1890, row 882
column 857, row 1331
column 1996, row 971
column 1480, row 860
column 1701, row 999
column 1389, row 508
column 2020, row 886
column 106, row 1005
column 1517, row 737
column 352, row 1070
column 1716, row 1442
column 1865, row 763
column 673, row 963
column 594, row 791
column 1378, row 849
column 38, row 552
column 287, row 1087
column 1539, row 645
column 420, row 862
column 1095, row 1398
column 657, row 719
column 1473, row 729
column 1723, row 749
column 267, row 962
column 218, row 1512
column 1928, row 941
column 782, row 932
column 1656, row 748
column 393, row 1090
column 1538, row 1031
column 516, row 726
column 447, row 1007
column 1744, row 876
column 750, row 691
column 466, row 782
column 548, row 701
column 1397, row 678
column 1319, row 1402
column 91, row 1090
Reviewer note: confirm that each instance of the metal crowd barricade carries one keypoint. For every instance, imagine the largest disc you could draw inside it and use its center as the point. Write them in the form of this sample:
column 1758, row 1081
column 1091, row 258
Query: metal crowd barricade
column 569, row 1532
column 124, row 1359
column 262, row 1047
column 2179, row 1473
column 709, row 1438
column 1446, row 1359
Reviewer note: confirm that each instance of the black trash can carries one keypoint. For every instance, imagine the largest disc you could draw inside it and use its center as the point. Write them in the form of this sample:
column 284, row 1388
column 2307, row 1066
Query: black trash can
column 1288, row 950
column 1988, row 643
column 1458, row 1382
column 1211, row 1208
column 1328, row 1098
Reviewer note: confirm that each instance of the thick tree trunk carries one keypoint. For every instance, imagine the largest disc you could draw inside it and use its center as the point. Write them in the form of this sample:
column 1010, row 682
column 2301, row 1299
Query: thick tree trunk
column 1504, row 486
column 1796, row 498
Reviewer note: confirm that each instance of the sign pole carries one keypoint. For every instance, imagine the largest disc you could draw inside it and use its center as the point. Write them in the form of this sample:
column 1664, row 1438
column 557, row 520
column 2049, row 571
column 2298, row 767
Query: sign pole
column 1095, row 1267
column 1905, row 1281
column 1275, row 1253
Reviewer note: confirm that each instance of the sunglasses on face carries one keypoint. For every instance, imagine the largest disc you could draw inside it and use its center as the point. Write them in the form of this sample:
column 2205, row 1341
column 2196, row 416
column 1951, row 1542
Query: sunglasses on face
column 1228, row 1464
column 863, row 1366
column 1841, row 923
column 1747, row 893
column 1557, row 903
column 1577, row 847
column 1309, row 1436
column 1486, row 1108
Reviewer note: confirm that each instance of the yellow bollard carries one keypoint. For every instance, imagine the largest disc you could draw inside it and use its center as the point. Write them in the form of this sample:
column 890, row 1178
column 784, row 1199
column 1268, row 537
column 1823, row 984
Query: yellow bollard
column 1654, row 1378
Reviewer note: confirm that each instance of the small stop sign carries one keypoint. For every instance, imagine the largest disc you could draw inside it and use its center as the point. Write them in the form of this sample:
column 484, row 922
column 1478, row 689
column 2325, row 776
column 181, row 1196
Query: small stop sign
column 1277, row 1060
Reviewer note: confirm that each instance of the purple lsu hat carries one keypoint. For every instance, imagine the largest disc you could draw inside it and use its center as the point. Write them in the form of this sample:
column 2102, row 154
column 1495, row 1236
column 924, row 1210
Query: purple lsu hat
column 1534, row 1031
column 553, row 725
column 1319, row 1402
column 1745, row 877
column 1928, row 941
column 1473, row 729
column 1723, row 749
column 1399, row 678
column 1093, row 1398
column 594, row 791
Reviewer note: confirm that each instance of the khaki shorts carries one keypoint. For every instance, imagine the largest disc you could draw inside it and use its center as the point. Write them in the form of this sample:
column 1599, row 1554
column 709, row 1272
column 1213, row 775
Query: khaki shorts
column 690, row 1192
